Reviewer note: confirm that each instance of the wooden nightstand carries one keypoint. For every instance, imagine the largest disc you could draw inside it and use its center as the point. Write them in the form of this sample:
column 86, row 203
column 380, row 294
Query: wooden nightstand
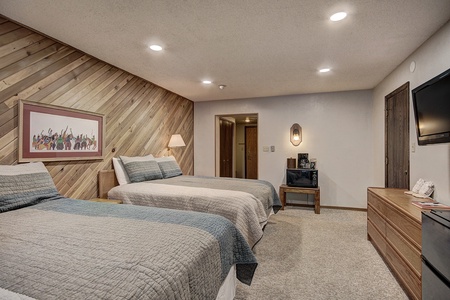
column 113, row 201
column 300, row 190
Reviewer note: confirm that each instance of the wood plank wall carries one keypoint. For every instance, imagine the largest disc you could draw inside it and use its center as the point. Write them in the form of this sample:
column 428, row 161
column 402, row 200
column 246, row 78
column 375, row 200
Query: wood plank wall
column 140, row 116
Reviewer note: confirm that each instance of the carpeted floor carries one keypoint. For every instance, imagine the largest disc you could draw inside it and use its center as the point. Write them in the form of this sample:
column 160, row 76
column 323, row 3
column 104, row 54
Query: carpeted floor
column 307, row 256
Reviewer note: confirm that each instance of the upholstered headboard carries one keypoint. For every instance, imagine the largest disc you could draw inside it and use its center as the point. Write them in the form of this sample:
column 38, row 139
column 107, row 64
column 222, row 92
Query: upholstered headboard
column 106, row 181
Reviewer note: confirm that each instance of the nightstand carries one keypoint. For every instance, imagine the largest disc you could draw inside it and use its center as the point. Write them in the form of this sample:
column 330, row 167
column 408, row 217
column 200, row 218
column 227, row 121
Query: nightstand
column 112, row 201
column 300, row 190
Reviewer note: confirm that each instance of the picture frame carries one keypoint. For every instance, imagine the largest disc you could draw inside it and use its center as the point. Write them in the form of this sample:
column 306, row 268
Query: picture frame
column 302, row 160
column 54, row 133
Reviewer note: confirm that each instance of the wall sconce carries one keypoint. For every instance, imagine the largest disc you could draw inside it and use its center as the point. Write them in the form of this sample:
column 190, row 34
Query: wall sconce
column 296, row 134
column 176, row 141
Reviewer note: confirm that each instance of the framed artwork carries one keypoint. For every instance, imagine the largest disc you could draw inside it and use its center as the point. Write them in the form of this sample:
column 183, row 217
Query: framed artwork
column 303, row 160
column 54, row 133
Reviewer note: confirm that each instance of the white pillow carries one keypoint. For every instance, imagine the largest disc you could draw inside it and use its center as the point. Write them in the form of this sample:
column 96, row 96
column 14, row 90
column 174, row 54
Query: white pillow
column 121, row 173
column 119, row 169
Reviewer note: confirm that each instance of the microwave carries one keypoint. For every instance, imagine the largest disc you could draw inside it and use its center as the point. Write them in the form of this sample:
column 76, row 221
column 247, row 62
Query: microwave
column 302, row 178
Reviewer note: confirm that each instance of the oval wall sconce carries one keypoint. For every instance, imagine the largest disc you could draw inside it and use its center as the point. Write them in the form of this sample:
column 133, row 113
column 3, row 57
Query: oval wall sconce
column 296, row 134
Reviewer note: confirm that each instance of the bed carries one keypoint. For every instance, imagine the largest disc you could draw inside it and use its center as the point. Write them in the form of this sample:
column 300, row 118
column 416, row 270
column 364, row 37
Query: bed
column 58, row 248
column 247, row 203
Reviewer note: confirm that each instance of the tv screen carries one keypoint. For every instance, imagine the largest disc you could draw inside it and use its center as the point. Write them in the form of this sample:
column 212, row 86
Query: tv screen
column 431, row 102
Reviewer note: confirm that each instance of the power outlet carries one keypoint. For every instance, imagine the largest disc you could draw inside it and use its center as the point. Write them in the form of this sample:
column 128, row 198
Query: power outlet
column 272, row 148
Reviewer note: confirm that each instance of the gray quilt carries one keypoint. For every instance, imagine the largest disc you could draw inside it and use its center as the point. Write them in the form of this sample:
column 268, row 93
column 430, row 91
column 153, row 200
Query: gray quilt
column 75, row 249
column 245, row 203
column 261, row 189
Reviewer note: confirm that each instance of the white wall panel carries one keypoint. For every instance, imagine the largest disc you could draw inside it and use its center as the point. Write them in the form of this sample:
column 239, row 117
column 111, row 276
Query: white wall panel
column 337, row 130
column 431, row 162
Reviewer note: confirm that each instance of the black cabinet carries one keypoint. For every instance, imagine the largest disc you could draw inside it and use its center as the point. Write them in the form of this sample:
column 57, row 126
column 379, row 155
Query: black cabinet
column 436, row 255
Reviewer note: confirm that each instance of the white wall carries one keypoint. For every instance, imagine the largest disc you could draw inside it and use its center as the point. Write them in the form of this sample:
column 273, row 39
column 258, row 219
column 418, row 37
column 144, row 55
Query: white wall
column 430, row 162
column 337, row 130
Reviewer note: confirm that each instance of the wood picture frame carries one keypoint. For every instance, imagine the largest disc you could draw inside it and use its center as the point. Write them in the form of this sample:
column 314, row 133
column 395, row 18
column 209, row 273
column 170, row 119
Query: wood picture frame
column 55, row 133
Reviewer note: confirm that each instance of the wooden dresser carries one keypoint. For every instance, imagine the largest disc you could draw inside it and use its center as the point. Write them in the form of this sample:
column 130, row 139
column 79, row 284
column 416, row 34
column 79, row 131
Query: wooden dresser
column 394, row 227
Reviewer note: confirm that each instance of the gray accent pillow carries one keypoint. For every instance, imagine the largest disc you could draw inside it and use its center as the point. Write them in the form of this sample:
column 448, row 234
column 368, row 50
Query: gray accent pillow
column 141, row 168
column 24, row 185
column 169, row 166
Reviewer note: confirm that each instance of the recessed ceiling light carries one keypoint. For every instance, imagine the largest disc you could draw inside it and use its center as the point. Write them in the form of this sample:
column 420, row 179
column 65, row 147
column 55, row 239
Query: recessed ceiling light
column 156, row 47
column 324, row 70
column 338, row 16
column 207, row 81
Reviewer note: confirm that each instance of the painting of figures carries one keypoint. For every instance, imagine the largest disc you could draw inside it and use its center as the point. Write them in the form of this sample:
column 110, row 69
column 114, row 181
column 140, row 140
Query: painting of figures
column 51, row 133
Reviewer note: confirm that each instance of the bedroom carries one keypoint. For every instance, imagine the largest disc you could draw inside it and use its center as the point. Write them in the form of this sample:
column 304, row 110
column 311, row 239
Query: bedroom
column 360, row 115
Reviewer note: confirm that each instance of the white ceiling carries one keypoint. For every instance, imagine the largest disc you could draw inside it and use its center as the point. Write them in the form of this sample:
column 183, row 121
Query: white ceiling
column 256, row 48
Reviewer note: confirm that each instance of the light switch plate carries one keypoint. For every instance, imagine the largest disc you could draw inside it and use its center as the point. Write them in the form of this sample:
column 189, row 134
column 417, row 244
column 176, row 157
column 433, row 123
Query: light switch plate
column 265, row 148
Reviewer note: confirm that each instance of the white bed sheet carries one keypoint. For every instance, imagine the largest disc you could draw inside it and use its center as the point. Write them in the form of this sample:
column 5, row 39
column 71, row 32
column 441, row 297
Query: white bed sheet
column 228, row 288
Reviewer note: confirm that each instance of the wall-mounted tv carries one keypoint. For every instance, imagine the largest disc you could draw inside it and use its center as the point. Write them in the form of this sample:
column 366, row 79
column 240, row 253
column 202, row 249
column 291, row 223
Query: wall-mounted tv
column 431, row 102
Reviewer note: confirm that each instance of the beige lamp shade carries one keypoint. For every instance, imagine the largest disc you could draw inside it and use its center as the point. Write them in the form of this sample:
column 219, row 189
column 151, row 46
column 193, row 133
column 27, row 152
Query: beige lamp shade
column 176, row 141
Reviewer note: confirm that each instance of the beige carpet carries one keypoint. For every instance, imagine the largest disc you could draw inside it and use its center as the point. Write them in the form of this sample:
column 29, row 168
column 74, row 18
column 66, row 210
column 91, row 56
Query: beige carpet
column 307, row 256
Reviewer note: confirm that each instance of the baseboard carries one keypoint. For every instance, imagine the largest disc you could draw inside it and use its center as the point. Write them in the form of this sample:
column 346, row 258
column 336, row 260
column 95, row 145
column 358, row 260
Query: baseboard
column 344, row 208
column 326, row 206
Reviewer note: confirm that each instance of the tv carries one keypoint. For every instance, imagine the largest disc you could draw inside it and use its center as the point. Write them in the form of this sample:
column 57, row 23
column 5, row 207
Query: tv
column 431, row 102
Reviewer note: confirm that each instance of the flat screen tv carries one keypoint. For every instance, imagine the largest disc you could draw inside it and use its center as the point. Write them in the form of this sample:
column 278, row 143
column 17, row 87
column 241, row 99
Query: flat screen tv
column 431, row 102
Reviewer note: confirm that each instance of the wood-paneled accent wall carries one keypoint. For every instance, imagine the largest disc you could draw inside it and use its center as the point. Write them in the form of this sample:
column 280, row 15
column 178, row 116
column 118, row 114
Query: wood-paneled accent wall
column 140, row 116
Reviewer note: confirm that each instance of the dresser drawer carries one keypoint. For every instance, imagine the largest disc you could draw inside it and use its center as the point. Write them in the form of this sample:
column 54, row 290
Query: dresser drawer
column 377, row 239
column 405, row 249
column 376, row 219
column 376, row 203
column 408, row 226
column 404, row 273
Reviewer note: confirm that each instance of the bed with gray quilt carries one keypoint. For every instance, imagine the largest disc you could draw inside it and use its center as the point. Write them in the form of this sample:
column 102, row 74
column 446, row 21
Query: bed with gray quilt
column 58, row 248
column 247, row 203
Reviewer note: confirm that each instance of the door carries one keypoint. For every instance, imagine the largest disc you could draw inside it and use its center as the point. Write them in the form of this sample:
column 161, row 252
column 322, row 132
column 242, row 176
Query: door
column 251, row 152
column 226, row 148
column 397, row 138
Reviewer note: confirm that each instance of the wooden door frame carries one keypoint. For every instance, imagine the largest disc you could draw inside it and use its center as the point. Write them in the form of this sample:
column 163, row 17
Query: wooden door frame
column 227, row 151
column 217, row 144
column 386, row 146
column 217, row 139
